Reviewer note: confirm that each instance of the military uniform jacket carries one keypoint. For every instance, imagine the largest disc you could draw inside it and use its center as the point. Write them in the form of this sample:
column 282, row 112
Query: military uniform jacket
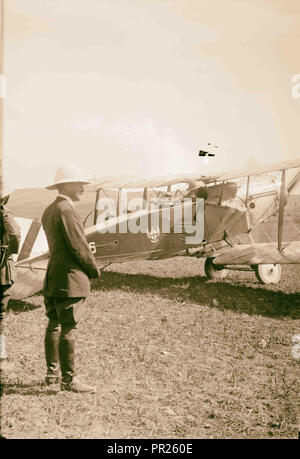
column 10, row 235
column 71, row 263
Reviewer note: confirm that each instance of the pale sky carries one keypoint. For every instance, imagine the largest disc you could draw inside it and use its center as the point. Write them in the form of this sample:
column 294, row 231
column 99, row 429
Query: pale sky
column 136, row 87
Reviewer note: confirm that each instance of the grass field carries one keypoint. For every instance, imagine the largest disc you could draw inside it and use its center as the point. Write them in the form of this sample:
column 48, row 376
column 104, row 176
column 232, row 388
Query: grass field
column 172, row 354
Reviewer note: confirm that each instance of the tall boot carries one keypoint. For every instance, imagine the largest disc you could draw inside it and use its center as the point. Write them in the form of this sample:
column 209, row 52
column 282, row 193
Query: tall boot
column 66, row 357
column 51, row 354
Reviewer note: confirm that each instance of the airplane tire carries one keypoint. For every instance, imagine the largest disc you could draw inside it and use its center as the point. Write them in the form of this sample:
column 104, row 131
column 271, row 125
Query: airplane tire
column 214, row 271
column 268, row 273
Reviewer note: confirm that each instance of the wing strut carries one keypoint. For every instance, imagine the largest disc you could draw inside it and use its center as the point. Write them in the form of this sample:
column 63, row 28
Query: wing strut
column 96, row 206
column 281, row 209
column 119, row 201
column 247, row 191
column 145, row 198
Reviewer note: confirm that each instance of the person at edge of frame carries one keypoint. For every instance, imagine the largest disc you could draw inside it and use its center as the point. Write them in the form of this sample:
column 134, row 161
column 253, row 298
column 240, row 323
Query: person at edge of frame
column 10, row 236
column 71, row 264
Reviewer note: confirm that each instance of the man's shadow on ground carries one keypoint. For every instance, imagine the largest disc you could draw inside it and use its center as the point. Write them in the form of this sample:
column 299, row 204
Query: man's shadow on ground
column 34, row 388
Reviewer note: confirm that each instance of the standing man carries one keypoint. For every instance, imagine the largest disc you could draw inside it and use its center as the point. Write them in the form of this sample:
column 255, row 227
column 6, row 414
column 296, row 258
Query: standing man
column 66, row 287
column 10, row 236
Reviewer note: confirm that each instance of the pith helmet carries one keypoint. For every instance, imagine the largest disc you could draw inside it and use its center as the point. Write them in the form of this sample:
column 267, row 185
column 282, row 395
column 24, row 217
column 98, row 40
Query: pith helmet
column 68, row 174
column 196, row 189
column 192, row 187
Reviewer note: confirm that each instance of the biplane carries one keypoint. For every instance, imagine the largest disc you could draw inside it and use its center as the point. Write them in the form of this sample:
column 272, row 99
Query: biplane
column 241, row 220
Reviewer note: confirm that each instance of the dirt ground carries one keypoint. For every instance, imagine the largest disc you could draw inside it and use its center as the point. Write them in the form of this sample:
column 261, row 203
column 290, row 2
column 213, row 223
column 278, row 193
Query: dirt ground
column 173, row 355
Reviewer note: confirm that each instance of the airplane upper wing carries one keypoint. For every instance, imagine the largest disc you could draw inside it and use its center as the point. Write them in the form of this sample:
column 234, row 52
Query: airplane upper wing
column 141, row 182
column 239, row 173
column 159, row 181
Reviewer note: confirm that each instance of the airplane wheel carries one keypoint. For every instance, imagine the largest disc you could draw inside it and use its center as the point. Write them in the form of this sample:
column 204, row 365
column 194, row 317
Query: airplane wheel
column 214, row 271
column 268, row 274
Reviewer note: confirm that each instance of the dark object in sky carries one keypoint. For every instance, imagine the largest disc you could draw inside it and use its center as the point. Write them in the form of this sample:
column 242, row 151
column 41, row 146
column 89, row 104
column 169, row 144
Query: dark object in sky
column 205, row 153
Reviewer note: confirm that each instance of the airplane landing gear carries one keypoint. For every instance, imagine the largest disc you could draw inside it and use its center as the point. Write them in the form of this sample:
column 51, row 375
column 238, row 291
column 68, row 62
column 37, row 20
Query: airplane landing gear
column 214, row 271
column 265, row 273
column 268, row 273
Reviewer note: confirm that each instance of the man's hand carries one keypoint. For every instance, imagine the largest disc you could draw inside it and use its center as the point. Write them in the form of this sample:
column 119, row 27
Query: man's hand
column 95, row 273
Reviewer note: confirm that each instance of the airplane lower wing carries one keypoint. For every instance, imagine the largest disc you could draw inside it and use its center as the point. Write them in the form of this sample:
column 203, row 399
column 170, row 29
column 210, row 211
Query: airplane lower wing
column 254, row 254
column 30, row 278
column 31, row 261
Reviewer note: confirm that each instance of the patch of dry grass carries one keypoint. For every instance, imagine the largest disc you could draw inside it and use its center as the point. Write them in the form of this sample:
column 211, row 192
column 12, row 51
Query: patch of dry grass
column 172, row 355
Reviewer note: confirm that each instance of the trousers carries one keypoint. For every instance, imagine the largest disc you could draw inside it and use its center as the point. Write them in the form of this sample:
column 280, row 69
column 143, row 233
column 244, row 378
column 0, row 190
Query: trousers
column 64, row 315
column 65, row 312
